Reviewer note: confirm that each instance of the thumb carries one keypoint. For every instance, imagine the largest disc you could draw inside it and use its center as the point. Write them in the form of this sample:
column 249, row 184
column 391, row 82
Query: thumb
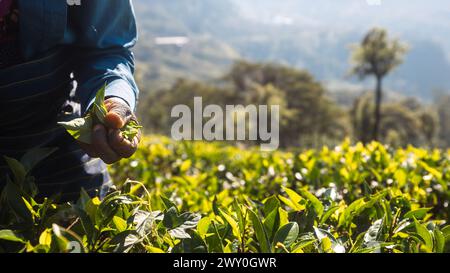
column 119, row 113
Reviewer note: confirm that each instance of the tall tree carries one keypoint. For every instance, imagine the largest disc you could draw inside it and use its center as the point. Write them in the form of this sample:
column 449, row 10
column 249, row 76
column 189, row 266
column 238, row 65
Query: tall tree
column 377, row 56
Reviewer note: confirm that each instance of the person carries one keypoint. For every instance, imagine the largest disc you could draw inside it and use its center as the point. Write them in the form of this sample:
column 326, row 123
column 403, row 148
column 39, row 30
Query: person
column 54, row 57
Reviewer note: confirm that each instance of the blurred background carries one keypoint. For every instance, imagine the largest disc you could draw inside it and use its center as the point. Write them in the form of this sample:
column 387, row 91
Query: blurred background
column 325, row 62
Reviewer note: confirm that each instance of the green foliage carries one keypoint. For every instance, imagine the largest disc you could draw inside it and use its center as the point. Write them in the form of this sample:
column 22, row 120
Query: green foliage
column 403, row 122
column 377, row 55
column 307, row 116
column 197, row 197
column 443, row 112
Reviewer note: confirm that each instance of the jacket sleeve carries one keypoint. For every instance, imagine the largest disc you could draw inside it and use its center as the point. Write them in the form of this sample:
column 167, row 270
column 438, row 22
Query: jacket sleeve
column 102, row 33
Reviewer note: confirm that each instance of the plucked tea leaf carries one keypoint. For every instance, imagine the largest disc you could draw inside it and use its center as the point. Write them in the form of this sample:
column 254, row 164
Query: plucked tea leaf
column 130, row 130
column 79, row 128
column 100, row 96
column 100, row 112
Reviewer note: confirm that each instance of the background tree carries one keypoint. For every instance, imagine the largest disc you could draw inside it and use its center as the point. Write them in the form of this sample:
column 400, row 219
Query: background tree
column 377, row 56
column 361, row 115
column 442, row 104
column 404, row 121
column 308, row 117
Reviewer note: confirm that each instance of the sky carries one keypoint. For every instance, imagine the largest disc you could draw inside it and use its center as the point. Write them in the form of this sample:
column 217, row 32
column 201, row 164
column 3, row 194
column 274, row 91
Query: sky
column 423, row 19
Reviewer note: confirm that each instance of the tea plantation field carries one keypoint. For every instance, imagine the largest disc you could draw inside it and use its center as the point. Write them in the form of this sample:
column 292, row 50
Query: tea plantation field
column 203, row 197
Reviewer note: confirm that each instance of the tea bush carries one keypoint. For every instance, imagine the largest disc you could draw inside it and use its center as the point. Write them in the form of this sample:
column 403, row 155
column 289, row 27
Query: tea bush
column 211, row 197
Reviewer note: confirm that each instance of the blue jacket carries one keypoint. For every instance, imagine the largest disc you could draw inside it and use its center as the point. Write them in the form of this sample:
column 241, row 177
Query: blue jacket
column 103, row 31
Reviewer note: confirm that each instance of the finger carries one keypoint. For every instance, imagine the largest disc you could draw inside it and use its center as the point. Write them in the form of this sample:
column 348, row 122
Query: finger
column 120, row 145
column 136, row 141
column 100, row 141
column 114, row 120
column 118, row 114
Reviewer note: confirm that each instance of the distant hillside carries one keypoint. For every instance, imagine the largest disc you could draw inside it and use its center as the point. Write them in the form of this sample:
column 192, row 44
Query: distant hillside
column 325, row 28
column 314, row 36
column 203, row 57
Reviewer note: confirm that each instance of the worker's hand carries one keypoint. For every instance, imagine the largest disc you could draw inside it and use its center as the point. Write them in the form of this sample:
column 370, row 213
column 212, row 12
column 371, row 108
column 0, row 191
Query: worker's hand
column 107, row 141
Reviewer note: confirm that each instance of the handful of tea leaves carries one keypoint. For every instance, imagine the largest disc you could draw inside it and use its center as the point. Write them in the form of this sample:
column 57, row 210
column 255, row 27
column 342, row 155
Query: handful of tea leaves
column 81, row 128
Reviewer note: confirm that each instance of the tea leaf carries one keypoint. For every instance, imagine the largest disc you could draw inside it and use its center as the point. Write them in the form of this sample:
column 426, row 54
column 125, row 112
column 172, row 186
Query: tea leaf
column 260, row 232
column 80, row 128
column 424, row 234
column 287, row 234
column 9, row 235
